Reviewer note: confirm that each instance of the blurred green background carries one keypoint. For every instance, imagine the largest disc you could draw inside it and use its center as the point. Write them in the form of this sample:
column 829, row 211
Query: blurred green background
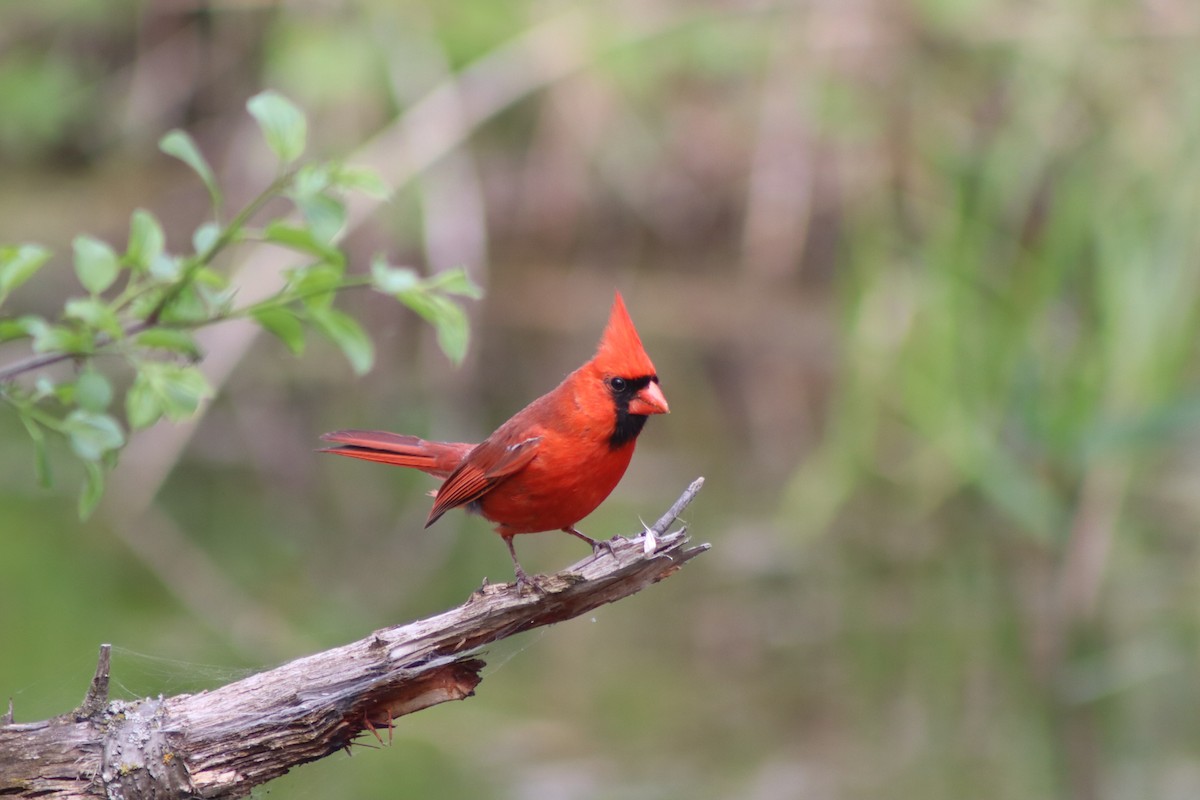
column 920, row 279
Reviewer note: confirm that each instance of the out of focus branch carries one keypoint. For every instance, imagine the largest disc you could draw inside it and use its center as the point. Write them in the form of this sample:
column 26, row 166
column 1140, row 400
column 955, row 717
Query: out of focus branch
column 222, row 743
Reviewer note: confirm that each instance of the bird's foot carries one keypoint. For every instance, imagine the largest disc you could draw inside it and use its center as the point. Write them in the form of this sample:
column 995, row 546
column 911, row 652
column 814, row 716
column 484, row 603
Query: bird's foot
column 525, row 582
column 597, row 544
column 603, row 544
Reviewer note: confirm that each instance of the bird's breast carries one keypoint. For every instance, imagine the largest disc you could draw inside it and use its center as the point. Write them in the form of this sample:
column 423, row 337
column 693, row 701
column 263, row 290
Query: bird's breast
column 565, row 481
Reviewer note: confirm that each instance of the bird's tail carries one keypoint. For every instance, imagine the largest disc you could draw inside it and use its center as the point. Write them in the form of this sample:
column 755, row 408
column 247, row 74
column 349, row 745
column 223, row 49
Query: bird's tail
column 436, row 458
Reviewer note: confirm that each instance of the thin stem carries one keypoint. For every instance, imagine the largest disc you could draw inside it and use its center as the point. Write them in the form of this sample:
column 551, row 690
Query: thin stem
column 41, row 360
column 32, row 412
column 280, row 300
column 31, row 363
column 11, row 371
column 227, row 235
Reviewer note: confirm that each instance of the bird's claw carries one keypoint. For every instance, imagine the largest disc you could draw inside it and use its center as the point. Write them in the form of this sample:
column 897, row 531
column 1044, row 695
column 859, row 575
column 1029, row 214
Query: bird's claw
column 603, row 544
column 596, row 544
column 524, row 581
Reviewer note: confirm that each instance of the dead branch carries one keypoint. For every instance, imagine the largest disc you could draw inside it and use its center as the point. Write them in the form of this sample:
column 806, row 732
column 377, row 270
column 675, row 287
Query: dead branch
column 221, row 743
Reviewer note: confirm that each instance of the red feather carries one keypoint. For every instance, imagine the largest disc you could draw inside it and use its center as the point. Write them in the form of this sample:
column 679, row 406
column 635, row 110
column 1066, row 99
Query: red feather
column 555, row 460
column 439, row 459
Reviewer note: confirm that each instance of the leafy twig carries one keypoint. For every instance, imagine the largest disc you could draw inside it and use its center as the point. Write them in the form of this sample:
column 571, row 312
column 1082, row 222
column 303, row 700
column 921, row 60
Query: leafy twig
column 163, row 298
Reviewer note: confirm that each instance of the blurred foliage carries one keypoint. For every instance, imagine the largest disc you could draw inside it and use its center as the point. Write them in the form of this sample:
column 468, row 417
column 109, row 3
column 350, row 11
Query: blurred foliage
column 921, row 283
column 163, row 298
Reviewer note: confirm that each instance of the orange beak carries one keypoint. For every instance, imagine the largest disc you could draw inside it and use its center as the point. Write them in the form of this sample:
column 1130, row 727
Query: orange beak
column 649, row 401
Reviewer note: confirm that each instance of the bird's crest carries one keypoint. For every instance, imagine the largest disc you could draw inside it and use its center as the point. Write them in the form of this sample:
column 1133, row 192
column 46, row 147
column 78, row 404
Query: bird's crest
column 620, row 351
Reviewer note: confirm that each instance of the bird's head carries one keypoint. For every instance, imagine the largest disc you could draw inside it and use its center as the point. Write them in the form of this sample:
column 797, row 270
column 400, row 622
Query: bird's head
column 628, row 375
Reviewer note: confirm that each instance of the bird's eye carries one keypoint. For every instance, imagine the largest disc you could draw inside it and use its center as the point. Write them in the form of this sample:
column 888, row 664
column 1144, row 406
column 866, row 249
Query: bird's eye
column 617, row 384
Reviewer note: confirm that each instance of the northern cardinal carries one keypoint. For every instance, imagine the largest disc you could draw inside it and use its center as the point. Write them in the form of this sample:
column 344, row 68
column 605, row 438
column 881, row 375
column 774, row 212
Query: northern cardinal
column 554, row 461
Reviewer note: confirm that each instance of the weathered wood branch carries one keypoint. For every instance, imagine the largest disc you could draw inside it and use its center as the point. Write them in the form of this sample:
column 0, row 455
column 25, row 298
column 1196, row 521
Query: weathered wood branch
column 221, row 743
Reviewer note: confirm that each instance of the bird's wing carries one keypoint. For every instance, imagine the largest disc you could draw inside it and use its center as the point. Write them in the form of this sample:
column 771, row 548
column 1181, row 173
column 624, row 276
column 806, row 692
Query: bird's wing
column 485, row 467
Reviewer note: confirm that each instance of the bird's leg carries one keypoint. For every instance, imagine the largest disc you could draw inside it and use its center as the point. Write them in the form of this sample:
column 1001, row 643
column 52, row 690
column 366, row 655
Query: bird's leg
column 596, row 544
column 522, row 578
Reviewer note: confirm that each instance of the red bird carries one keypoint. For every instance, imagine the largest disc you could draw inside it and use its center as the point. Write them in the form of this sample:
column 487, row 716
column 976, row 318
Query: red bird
column 554, row 461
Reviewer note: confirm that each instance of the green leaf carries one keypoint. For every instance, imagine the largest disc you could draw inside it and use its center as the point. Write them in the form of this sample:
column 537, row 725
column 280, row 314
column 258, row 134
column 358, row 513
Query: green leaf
column 146, row 302
column 218, row 301
column 310, row 180
column 302, row 240
column 92, row 434
column 207, row 276
column 180, row 145
column 282, row 123
column 447, row 317
column 32, row 323
column 344, row 331
column 453, row 332
column 142, row 405
column 93, row 392
column 183, row 388
column 285, row 325
column 393, row 280
column 60, row 339
column 41, row 464
column 95, row 313
column 177, row 341
column 187, row 308
column 93, row 488
column 12, row 328
column 315, row 285
column 43, row 387
column 161, row 389
column 18, row 264
column 325, row 215
column 166, row 268
column 146, row 240
column 95, row 263
column 456, row 281
column 206, row 237
column 361, row 179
